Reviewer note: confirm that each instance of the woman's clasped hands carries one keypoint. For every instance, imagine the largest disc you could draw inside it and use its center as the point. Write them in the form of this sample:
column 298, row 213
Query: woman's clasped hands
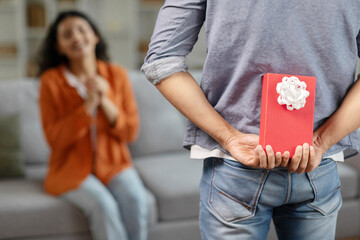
column 97, row 88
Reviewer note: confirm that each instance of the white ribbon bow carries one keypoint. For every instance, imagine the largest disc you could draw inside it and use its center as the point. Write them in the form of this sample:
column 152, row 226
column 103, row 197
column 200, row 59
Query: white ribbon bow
column 292, row 93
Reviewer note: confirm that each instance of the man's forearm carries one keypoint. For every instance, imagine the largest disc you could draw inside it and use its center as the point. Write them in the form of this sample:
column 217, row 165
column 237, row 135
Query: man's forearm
column 182, row 91
column 344, row 121
column 185, row 94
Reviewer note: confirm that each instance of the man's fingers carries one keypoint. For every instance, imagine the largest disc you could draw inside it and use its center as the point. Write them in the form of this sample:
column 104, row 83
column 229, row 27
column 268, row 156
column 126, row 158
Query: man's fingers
column 262, row 156
column 285, row 159
column 305, row 159
column 257, row 158
column 311, row 164
column 270, row 157
column 295, row 161
column 278, row 159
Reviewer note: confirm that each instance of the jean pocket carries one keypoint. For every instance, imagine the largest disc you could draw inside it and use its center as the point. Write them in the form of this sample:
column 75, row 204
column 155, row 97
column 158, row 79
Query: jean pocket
column 235, row 190
column 326, row 186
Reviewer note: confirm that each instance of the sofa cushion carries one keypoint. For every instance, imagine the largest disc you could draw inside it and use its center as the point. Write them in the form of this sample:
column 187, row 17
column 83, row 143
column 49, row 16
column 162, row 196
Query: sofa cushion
column 174, row 179
column 11, row 164
column 349, row 178
column 10, row 132
column 161, row 125
column 186, row 229
column 11, row 161
column 36, row 171
column 34, row 144
column 24, row 205
column 21, row 96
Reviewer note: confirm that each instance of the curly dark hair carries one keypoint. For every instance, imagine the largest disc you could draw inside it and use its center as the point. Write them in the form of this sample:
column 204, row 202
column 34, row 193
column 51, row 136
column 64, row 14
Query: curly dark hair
column 49, row 56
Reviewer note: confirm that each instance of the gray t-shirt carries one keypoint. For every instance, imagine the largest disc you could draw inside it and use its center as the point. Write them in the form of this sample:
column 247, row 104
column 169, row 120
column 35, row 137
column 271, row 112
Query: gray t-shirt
column 246, row 39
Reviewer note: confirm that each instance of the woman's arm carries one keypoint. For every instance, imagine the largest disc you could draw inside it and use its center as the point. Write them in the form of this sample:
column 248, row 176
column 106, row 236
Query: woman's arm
column 120, row 112
column 99, row 87
column 61, row 132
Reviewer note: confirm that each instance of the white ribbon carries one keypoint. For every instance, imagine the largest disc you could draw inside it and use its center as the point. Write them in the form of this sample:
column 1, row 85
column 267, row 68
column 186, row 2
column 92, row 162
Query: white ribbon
column 292, row 93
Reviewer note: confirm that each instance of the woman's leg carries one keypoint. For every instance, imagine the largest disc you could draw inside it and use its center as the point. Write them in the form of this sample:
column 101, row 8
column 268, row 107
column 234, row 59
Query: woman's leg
column 100, row 207
column 130, row 194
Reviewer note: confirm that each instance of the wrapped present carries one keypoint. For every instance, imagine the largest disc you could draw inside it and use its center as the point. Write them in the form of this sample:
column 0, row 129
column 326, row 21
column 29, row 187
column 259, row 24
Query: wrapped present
column 287, row 111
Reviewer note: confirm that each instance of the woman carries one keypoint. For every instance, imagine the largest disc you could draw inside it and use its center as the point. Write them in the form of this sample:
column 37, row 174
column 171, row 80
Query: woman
column 89, row 115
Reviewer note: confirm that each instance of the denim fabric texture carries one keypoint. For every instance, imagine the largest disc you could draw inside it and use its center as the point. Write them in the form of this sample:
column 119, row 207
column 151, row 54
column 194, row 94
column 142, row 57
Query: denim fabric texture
column 114, row 212
column 245, row 40
column 238, row 202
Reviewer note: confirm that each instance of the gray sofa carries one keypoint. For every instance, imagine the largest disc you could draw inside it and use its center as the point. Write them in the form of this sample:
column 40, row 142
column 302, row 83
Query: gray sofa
column 172, row 179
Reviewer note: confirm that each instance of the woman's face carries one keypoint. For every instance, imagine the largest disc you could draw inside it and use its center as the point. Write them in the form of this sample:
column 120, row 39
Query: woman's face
column 76, row 39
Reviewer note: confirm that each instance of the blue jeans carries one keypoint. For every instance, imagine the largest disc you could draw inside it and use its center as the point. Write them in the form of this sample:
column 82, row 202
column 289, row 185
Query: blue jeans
column 115, row 212
column 238, row 202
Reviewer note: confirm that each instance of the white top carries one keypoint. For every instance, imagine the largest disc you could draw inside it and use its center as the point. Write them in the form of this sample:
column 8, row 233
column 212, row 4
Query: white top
column 197, row 152
column 82, row 91
column 76, row 83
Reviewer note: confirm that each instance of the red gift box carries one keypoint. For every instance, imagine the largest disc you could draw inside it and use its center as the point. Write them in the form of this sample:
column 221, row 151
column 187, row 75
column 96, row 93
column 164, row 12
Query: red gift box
column 281, row 128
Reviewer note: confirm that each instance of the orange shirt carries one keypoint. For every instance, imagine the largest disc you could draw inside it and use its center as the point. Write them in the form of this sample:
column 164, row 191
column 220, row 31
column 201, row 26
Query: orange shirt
column 67, row 125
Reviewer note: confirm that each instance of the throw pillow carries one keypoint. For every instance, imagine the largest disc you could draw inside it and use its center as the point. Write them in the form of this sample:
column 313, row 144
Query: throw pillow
column 11, row 161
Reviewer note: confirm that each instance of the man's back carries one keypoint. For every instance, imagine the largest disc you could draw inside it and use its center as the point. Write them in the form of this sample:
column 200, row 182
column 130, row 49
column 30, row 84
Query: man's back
column 246, row 39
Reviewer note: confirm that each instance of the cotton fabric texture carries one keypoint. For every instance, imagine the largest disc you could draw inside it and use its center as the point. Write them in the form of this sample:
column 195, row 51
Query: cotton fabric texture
column 11, row 159
column 245, row 40
column 302, row 206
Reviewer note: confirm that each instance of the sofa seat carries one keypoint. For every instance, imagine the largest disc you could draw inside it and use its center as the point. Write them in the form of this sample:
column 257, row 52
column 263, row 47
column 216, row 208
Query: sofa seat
column 24, row 205
column 174, row 180
column 25, row 209
column 28, row 213
column 349, row 178
column 178, row 197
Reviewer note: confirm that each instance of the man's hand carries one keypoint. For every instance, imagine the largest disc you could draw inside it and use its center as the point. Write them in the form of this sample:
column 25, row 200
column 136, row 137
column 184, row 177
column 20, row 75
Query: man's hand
column 245, row 148
column 307, row 158
column 339, row 125
column 304, row 156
